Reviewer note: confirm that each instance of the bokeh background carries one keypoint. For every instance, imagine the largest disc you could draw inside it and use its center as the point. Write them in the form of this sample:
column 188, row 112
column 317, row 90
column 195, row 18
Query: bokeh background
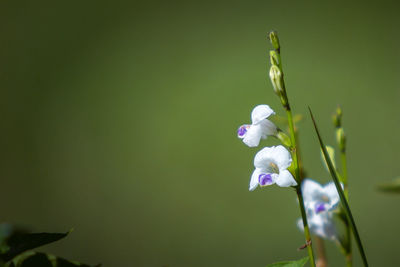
column 119, row 119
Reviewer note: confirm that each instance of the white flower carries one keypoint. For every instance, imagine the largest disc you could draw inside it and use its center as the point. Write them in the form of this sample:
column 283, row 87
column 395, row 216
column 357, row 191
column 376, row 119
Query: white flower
column 320, row 203
column 321, row 224
column 271, row 167
column 325, row 197
column 260, row 126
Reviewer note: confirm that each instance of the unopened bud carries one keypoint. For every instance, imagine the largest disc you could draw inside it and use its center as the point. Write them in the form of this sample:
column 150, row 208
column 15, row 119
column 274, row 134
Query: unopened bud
column 337, row 117
column 284, row 138
column 331, row 154
column 273, row 37
column 341, row 139
column 274, row 58
column 275, row 75
column 339, row 111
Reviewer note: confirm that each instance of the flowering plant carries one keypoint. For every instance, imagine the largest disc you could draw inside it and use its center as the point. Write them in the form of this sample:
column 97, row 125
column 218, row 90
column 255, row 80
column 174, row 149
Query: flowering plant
column 323, row 209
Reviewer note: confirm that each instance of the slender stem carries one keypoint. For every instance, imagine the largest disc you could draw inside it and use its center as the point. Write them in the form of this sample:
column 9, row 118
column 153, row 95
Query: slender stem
column 305, row 224
column 349, row 260
column 293, row 141
column 348, row 255
column 286, row 105
column 344, row 170
column 298, row 187
column 321, row 258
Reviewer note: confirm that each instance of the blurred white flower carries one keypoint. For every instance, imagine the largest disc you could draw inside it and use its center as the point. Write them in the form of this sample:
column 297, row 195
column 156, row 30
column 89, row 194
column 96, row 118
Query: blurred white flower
column 271, row 167
column 260, row 126
column 320, row 203
column 321, row 224
column 324, row 198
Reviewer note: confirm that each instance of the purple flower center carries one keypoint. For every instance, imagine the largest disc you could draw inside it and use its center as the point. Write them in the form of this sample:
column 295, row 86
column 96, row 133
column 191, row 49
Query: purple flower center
column 265, row 179
column 242, row 130
column 319, row 207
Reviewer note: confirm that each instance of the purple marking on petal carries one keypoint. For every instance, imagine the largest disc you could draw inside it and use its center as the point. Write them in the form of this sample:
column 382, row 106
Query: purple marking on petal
column 265, row 179
column 319, row 207
column 242, row 130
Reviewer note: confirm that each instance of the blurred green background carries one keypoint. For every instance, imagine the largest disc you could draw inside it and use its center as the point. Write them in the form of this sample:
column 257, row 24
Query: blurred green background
column 119, row 119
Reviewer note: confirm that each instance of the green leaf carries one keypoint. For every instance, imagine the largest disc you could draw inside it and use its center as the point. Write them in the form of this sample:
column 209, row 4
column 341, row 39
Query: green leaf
column 343, row 199
column 14, row 242
column 36, row 259
column 298, row 263
column 390, row 187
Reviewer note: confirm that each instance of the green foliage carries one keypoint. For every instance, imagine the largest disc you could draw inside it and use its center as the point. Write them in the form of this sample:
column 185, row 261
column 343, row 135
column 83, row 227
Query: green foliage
column 298, row 263
column 16, row 243
column 390, row 187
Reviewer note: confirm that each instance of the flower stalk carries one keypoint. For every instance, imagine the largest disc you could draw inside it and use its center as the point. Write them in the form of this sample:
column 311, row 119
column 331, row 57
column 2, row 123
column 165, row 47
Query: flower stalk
column 321, row 260
column 276, row 75
column 341, row 141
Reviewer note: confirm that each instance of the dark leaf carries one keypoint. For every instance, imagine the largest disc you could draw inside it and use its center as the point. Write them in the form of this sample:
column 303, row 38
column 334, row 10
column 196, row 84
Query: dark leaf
column 18, row 242
column 38, row 259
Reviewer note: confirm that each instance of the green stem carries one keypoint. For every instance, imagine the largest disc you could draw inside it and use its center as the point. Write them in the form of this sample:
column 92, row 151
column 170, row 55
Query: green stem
column 293, row 141
column 298, row 187
column 349, row 260
column 344, row 171
column 348, row 255
column 305, row 224
column 293, row 147
column 342, row 196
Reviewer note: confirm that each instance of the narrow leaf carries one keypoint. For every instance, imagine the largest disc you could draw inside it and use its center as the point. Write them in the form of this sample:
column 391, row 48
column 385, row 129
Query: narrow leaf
column 298, row 263
column 390, row 187
column 343, row 200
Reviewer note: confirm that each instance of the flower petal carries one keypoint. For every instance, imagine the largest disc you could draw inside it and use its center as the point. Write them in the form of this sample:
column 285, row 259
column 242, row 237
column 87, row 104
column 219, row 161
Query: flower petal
column 326, row 227
column 265, row 179
column 311, row 190
column 254, row 179
column 260, row 113
column 241, row 132
column 300, row 224
column 282, row 157
column 331, row 191
column 263, row 158
column 267, row 128
column 321, row 224
column 253, row 135
column 285, row 179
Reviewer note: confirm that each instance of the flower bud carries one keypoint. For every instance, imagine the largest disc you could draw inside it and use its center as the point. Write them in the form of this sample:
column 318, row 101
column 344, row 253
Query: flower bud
column 273, row 37
column 341, row 139
column 331, row 154
column 337, row 118
column 284, row 138
column 274, row 58
column 275, row 75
